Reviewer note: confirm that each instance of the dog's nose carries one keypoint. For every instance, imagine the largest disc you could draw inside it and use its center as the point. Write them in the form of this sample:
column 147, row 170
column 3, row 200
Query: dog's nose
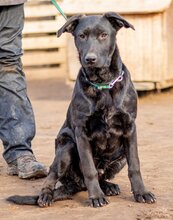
column 90, row 58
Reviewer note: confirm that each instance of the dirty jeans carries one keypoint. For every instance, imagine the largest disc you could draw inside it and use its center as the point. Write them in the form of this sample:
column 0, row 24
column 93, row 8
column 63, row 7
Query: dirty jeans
column 17, row 124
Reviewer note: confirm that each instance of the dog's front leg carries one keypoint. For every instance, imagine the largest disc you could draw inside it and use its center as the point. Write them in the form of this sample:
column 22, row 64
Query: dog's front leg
column 139, row 191
column 96, row 195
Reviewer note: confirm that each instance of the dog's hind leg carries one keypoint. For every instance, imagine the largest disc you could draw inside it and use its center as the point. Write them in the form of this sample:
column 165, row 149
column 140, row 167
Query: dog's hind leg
column 66, row 191
column 57, row 170
column 109, row 189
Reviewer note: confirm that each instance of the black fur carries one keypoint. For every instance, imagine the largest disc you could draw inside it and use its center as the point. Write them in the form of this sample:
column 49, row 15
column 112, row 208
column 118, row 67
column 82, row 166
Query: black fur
column 99, row 133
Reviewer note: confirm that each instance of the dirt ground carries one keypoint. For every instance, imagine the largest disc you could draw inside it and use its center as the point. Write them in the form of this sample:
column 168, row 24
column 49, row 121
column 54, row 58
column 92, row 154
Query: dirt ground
column 155, row 142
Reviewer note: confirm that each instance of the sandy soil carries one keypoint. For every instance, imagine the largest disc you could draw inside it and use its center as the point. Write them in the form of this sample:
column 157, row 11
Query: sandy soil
column 155, row 125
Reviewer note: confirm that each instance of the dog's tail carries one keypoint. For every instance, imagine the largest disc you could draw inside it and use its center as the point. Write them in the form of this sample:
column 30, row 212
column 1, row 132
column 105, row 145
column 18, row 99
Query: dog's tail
column 23, row 200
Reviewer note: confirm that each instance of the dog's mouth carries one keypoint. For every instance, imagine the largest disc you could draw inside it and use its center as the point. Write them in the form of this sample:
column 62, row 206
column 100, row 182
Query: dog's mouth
column 98, row 75
column 92, row 64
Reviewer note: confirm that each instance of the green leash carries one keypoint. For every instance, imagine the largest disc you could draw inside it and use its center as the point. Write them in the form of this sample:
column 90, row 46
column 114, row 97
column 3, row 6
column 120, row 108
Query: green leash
column 59, row 9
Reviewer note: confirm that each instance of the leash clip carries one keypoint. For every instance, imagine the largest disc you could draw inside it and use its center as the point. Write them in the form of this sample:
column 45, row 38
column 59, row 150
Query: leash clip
column 119, row 79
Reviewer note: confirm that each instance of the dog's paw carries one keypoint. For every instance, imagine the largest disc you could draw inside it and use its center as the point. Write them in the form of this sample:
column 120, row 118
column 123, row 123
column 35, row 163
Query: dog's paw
column 110, row 189
column 98, row 202
column 146, row 197
column 46, row 198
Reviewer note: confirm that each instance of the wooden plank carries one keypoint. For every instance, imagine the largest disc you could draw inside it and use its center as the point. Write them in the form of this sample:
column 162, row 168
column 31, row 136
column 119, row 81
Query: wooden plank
column 144, row 86
column 40, row 11
column 40, row 27
column 142, row 50
column 164, row 84
column 129, row 44
column 37, row 1
column 34, row 2
column 38, row 51
column 44, row 58
column 45, row 73
column 46, row 42
column 158, row 48
column 42, row 1
column 168, row 36
column 37, row 27
column 72, row 59
column 71, row 7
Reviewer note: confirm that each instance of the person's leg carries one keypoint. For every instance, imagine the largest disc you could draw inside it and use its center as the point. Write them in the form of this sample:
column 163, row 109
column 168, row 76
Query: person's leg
column 17, row 125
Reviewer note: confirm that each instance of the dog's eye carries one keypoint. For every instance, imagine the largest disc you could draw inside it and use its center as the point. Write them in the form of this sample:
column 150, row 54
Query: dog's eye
column 103, row 36
column 82, row 36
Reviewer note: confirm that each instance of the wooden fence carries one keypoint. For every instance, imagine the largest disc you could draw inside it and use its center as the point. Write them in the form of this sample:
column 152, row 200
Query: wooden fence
column 147, row 51
column 44, row 54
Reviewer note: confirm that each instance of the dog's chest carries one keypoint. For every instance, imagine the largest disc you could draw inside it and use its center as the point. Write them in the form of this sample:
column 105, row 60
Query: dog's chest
column 108, row 122
column 104, row 129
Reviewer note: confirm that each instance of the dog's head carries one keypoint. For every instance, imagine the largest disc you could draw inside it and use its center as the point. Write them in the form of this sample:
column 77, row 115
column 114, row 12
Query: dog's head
column 95, row 37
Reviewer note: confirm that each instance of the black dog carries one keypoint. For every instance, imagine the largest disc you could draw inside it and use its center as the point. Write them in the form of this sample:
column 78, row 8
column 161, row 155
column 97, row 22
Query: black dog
column 99, row 133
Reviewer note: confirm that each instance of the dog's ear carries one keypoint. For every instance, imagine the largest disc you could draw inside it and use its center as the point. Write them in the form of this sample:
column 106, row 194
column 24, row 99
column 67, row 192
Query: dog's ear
column 70, row 25
column 117, row 21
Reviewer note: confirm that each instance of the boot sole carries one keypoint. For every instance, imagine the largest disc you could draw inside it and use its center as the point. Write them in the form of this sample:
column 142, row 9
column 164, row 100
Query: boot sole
column 37, row 174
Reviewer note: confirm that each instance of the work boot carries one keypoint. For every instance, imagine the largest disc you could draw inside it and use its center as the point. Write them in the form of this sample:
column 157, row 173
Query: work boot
column 27, row 167
column 12, row 168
